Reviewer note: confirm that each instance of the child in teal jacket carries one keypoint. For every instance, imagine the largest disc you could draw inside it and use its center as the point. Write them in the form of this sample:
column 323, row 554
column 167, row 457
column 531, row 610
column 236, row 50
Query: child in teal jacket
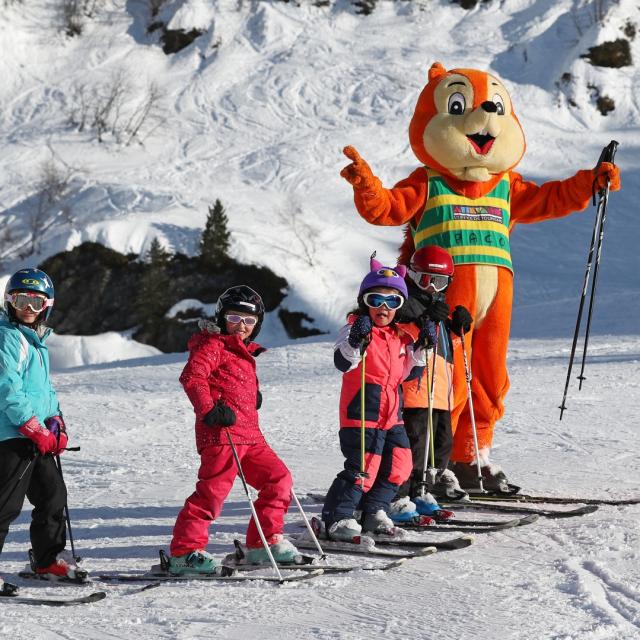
column 32, row 430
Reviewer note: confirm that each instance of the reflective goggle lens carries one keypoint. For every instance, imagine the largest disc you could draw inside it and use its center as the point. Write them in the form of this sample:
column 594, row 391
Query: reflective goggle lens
column 390, row 300
column 235, row 319
column 438, row 282
column 21, row 301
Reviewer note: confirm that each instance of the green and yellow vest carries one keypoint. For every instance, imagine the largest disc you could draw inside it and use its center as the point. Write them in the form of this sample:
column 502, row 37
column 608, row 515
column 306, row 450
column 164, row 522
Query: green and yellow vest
column 473, row 231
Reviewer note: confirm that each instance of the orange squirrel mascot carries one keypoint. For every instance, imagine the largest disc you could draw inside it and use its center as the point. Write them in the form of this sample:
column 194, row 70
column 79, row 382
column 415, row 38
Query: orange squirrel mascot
column 466, row 198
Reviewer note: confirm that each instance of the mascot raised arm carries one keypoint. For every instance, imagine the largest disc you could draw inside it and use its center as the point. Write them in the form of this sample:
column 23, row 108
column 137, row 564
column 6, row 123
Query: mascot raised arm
column 466, row 197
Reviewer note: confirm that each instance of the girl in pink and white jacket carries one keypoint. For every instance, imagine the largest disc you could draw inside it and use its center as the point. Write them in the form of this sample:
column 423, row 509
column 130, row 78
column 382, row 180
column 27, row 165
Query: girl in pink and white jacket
column 221, row 383
column 391, row 352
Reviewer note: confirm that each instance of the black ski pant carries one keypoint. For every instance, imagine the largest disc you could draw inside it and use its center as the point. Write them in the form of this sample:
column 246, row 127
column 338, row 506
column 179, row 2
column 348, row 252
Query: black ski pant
column 44, row 487
column 416, row 422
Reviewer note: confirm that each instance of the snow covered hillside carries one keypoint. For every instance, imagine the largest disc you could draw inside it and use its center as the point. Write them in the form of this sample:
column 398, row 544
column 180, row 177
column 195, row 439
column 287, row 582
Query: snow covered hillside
column 256, row 111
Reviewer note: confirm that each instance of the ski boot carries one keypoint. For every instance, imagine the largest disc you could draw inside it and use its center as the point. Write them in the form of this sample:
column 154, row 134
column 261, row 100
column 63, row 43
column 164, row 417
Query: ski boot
column 494, row 480
column 194, row 562
column 282, row 550
column 402, row 511
column 447, row 487
column 379, row 523
column 7, row 589
column 63, row 567
column 346, row 529
column 427, row 506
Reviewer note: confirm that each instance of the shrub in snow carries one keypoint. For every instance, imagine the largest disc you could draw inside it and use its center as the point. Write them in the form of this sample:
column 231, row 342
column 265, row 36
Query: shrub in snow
column 616, row 53
column 174, row 40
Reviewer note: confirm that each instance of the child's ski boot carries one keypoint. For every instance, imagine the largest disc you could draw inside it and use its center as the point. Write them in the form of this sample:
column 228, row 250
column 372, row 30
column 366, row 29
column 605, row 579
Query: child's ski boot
column 194, row 562
column 427, row 506
column 346, row 529
column 63, row 567
column 379, row 523
column 402, row 511
column 447, row 487
column 282, row 550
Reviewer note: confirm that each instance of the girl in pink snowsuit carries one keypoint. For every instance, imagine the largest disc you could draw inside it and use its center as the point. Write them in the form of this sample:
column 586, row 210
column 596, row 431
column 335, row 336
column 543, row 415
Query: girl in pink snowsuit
column 220, row 381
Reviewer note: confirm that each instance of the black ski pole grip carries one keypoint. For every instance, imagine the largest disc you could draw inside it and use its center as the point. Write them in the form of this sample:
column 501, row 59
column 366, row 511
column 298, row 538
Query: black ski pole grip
column 608, row 154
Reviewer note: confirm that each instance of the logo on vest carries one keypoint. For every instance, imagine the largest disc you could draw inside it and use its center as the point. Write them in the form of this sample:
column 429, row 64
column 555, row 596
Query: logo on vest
column 477, row 213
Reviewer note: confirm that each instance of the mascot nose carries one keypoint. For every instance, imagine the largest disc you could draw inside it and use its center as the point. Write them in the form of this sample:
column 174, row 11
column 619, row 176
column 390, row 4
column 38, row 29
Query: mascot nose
column 489, row 107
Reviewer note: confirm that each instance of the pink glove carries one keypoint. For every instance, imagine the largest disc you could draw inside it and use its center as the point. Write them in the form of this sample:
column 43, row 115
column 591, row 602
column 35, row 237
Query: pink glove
column 57, row 427
column 41, row 437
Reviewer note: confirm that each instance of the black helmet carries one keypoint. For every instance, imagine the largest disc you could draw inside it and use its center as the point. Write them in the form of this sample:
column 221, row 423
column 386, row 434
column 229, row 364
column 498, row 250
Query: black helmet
column 240, row 298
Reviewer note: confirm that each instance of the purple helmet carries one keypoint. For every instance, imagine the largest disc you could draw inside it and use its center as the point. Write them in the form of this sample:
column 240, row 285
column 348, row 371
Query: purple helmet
column 381, row 276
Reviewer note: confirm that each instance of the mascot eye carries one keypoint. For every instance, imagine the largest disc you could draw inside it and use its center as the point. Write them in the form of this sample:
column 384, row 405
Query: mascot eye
column 499, row 102
column 457, row 104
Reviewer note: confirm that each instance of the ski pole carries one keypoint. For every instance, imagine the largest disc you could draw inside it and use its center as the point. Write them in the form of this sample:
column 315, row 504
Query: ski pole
column 323, row 555
column 66, row 514
column 429, row 445
column 468, row 376
column 254, row 513
column 607, row 154
column 363, row 385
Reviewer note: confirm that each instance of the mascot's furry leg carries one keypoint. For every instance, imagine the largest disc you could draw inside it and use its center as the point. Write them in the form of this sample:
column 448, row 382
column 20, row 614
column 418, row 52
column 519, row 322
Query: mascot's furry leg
column 487, row 292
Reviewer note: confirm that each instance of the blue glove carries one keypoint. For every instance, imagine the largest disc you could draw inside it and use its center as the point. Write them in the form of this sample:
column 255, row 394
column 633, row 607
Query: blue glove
column 360, row 331
column 428, row 335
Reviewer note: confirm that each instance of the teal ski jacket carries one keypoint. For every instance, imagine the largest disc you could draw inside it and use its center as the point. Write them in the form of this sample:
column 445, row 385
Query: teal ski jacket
column 25, row 386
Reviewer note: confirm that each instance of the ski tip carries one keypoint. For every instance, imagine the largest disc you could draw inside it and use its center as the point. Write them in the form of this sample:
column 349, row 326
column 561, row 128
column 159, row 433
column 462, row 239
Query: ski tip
column 531, row 518
column 425, row 551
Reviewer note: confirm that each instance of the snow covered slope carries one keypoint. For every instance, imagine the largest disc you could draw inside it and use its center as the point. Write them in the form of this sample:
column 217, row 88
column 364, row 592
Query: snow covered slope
column 575, row 579
column 257, row 110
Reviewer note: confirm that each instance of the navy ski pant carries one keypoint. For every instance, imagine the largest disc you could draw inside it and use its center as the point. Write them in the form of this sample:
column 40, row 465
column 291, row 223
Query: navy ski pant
column 388, row 463
column 42, row 484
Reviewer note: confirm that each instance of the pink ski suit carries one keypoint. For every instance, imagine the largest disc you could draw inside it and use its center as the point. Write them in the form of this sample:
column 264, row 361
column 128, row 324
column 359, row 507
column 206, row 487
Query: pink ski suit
column 222, row 367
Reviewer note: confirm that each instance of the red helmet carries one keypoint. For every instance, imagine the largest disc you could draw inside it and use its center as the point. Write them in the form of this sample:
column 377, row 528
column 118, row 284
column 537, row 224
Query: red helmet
column 432, row 259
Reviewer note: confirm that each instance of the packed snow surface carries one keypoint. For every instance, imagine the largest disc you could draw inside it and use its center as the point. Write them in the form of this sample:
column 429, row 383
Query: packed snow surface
column 571, row 579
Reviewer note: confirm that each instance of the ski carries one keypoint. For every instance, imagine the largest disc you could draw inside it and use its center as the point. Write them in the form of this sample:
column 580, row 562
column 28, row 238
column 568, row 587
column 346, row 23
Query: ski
column 327, row 568
column 236, row 562
column 473, row 526
column 369, row 548
column 82, row 577
column 441, row 545
column 159, row 576
column 524, row 497
column 54, row 602
column 85, row 580
column 514, row 508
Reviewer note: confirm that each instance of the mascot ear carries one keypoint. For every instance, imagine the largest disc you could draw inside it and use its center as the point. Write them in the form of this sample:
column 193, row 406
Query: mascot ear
column 437, row 71
column 374, row 265
column 401, row 270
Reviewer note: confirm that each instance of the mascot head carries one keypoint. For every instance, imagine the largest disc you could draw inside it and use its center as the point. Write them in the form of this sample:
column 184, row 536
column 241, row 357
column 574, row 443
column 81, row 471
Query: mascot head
column 464, row 125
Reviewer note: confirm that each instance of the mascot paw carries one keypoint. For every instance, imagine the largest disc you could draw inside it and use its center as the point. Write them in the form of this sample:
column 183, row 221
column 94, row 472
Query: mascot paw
column 358, row 174
column 607, row 171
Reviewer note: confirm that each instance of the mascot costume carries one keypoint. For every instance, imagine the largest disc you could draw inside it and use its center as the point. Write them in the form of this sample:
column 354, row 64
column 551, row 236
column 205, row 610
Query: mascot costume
column 466, row 198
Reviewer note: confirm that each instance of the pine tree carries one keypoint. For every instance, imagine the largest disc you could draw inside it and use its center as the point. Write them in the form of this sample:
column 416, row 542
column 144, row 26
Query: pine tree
column 153, row 294
column 214, row 245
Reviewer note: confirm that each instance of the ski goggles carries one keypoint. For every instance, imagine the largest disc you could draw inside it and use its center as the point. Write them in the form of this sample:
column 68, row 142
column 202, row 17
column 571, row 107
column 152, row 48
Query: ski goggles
column 376, row 300
column 21, row 300
column 249, row 321
column 424, row 280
